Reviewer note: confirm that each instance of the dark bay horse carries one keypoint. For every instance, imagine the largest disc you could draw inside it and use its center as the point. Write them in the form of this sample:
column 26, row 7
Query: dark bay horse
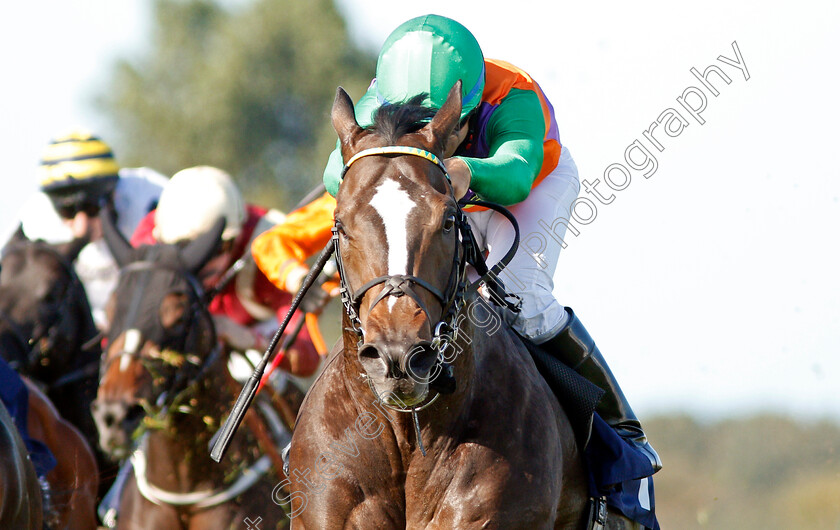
column 45, row 319
column 499, row 451
column 164, row 386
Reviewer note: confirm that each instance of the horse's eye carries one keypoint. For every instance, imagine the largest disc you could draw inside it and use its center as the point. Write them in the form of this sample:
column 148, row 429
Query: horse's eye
column 173, row 310
column 52, row 299
column 449, row 224
column 340, row 228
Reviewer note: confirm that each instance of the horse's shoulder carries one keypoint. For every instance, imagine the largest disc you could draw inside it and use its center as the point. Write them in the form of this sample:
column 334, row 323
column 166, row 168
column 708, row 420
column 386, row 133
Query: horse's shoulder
column 327, row 407
column 329, row 381
column 20, row 493
column 512, row 423
column 506, row 361
column 76, row 461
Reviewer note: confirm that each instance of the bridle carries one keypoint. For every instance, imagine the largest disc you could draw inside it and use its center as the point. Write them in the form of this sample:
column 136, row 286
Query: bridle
column 196, row 309
column 457, row 288
column 179, row 388
column 451, row 298
column 40, row 345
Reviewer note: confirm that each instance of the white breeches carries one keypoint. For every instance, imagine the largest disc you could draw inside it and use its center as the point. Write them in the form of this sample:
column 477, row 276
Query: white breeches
column 543, row 218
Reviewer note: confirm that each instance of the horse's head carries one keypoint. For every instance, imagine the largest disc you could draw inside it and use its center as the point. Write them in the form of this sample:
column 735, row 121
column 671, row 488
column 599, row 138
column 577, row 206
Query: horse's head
column 398, row 239
column 159, row 336
column 43, row 305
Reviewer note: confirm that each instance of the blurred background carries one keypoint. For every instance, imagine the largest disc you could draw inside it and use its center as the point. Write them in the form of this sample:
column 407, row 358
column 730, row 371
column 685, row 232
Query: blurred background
column 711, row 286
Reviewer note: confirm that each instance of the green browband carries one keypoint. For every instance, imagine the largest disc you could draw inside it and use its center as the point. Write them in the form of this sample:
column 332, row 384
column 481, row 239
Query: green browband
column 396, row 150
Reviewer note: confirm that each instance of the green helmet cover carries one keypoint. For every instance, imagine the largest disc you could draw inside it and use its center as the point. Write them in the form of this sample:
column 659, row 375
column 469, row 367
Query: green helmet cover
column 430, row 54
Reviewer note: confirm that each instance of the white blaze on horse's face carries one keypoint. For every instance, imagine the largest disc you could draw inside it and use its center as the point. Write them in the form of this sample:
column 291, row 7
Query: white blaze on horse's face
column 393, row 204
column 130, row 345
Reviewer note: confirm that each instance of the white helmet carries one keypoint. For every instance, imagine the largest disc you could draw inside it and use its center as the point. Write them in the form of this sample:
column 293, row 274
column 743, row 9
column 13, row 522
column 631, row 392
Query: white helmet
column 193, row 200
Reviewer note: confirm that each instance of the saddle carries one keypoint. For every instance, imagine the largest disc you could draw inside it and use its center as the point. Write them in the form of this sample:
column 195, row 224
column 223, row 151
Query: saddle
column 576, row 394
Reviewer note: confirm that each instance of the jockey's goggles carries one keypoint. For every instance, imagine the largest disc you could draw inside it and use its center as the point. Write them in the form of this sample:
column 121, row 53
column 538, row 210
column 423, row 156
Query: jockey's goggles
column 68, row 207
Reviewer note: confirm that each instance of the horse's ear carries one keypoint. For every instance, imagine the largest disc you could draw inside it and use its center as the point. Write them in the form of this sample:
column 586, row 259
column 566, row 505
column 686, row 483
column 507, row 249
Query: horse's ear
column 201, row 249
column 121, row 249
column 438, row 131
column 344, row 118
column 19, row 234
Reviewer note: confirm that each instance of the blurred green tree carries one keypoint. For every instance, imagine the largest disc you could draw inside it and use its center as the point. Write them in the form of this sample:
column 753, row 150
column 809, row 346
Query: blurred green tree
column 762, row 472
column 246, row 89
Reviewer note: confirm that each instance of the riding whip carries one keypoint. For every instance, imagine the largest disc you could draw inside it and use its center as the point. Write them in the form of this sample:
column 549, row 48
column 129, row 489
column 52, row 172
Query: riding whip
column 246, row 396
column 289, row 341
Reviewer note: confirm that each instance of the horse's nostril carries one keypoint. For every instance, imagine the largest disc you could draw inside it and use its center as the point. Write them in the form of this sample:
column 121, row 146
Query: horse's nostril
column 421, row 359
column 135, row 413
column 369, row 351
column 109, row 419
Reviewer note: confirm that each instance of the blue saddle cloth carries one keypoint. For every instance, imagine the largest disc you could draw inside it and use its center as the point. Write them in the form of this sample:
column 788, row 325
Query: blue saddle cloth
column 15, row 397
column 621, row 473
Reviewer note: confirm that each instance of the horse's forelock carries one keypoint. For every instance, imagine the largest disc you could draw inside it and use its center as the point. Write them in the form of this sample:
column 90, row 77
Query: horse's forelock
column 128, row 292
column 392, row 121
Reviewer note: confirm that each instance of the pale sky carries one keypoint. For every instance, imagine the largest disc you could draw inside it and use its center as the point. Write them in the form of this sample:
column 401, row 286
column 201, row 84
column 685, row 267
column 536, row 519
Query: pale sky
column 711, row 287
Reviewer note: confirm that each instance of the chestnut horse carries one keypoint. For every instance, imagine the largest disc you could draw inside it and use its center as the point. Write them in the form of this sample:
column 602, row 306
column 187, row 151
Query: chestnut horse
column 164, row 385
column 74, row 481
column 20, row 492
column 66, row 497
column 376, row 445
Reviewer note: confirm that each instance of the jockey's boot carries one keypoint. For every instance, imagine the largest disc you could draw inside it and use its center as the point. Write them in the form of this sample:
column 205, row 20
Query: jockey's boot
column 575, row 348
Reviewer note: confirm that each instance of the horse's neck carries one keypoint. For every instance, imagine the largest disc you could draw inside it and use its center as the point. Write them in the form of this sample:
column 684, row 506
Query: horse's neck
column 178, row 455
column 175, row 463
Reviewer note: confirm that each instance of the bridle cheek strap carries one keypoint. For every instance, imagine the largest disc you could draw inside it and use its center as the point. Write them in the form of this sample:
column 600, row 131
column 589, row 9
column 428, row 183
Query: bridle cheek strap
column 399, row 285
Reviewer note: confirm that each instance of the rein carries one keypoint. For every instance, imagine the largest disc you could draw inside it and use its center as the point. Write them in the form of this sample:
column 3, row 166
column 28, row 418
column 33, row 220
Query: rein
column 226, row 278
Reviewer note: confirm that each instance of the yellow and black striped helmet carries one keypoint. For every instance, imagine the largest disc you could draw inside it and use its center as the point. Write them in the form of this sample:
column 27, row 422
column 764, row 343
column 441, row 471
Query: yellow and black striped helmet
column 78, row 161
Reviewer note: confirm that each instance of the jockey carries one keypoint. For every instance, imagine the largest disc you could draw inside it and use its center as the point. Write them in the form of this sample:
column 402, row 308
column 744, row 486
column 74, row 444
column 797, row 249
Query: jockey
column 247, row 308
column 506, row 150
column 77, row 176
column 281, row 251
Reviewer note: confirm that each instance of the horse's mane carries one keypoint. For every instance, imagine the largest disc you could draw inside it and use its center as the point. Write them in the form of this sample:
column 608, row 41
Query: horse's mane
column 394, row 120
